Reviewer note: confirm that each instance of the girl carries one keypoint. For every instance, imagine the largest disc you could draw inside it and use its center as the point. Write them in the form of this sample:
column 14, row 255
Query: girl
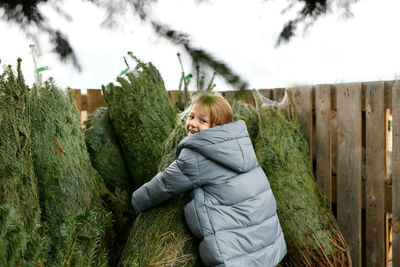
column 233, row 210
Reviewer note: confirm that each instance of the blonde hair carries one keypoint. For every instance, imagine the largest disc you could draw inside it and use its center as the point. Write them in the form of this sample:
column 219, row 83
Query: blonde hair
column 216, row 107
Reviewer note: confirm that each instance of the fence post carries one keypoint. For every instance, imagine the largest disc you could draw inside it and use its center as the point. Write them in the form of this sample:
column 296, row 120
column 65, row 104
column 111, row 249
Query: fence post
column 396, row 173
column 77, row 98
column 375, row 174
column 302, row 98
column 349, row 158
column 94, row 100
column 323, row 139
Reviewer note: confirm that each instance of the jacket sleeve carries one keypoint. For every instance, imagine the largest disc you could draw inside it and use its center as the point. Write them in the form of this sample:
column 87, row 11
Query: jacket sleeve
column 179, row 177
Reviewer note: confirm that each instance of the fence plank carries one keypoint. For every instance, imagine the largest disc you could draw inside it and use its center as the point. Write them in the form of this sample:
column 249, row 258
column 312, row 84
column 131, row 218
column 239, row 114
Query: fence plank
column 94, row 100
column 277, row 94
column 349, row 158
column 323, row 139
column 84, row 102
column 396, row 173
column 244, row 95
column 302, row 98
column 173, row 96
column 266, row 92
column 375, row 174
column 77, row 98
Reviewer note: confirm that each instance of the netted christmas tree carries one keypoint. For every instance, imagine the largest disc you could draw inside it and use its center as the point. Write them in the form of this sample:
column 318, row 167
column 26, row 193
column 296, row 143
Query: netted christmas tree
column 70, row 189
column 21, row 243
column 107, row 158
column 143, row 117
column 246, row 112
column 159, row 236
column 105, row 152
column 311, row 232
column 18, row 181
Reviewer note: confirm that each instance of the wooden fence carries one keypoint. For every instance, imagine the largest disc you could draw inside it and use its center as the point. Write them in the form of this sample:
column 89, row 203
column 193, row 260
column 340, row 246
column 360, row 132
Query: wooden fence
column 353, row 130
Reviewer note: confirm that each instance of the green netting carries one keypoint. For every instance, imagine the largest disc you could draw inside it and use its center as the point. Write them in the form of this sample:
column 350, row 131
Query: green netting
column 70, row 188
column 246, row 112
column 107, row 158
column 105, row 152
column 82, row 240
column 18, row 184
column 142, row 116
column 21, row 243
column 310, row 229
column 159, row 236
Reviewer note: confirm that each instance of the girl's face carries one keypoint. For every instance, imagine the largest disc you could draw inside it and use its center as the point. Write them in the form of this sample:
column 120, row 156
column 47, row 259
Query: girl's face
column 197, row 121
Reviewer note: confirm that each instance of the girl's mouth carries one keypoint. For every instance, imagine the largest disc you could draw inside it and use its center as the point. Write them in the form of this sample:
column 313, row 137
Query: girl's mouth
column 191, row 131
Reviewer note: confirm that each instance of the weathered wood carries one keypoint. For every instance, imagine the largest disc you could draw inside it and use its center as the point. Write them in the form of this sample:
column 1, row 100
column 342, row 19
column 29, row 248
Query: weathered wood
column 388, row 94
column 388, row 194
column 173, row 96
column 84, row 102
column 266, row 93
column 302, row 98
column 244, row 95
column 95, row 99
column 277, row 94
column 323, row 139
column 349, row 167
column 396, row 174
column 388, row 242
column 375, row 173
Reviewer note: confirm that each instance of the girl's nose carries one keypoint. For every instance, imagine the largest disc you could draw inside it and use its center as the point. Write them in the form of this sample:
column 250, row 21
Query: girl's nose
column 193, row 123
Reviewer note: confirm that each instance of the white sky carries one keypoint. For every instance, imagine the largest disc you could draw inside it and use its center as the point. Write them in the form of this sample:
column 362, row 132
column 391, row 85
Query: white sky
column 361, row 48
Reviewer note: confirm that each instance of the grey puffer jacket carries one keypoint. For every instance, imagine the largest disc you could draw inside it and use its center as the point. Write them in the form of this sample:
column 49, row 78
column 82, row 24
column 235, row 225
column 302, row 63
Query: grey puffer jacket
column 233, row 210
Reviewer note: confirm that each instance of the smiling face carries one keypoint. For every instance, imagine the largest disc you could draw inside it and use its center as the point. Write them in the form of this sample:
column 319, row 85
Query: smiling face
column 198, row 120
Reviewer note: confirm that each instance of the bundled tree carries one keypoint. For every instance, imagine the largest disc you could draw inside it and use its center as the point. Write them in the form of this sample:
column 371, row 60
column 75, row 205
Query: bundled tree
column 311, row 232
column 142, row 116
column 107, row 158
column 159, row 236
column 105, row 152
column 70, row 188
column 21, row 243
column 246, row 112
column 18, row 181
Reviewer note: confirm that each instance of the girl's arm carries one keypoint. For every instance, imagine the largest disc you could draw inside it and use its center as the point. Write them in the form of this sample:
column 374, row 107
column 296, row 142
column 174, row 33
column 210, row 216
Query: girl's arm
column 179, row 177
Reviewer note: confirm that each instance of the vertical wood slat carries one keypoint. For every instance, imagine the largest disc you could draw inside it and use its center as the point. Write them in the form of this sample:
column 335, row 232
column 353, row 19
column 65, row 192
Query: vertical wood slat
column 323, row 139
column 302, row 98
column 95, row 99
column 396, row 174
column 84, row 102
column 388, row 242
column 349, row 160
column 277, row 94
column 266, row 93
column 375, row 174
column 77, row 98
column 173, row 96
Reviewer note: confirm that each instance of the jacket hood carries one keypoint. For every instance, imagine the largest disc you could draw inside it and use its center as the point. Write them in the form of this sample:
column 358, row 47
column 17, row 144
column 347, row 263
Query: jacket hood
column 228, row 145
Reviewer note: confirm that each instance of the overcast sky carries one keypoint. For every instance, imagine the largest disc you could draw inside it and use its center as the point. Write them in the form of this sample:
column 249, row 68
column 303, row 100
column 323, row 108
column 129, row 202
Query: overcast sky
column 364, row 47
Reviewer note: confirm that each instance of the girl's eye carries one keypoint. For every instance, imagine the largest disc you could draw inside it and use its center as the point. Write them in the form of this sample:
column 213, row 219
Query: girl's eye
column 191, row 117
column 203, row 121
